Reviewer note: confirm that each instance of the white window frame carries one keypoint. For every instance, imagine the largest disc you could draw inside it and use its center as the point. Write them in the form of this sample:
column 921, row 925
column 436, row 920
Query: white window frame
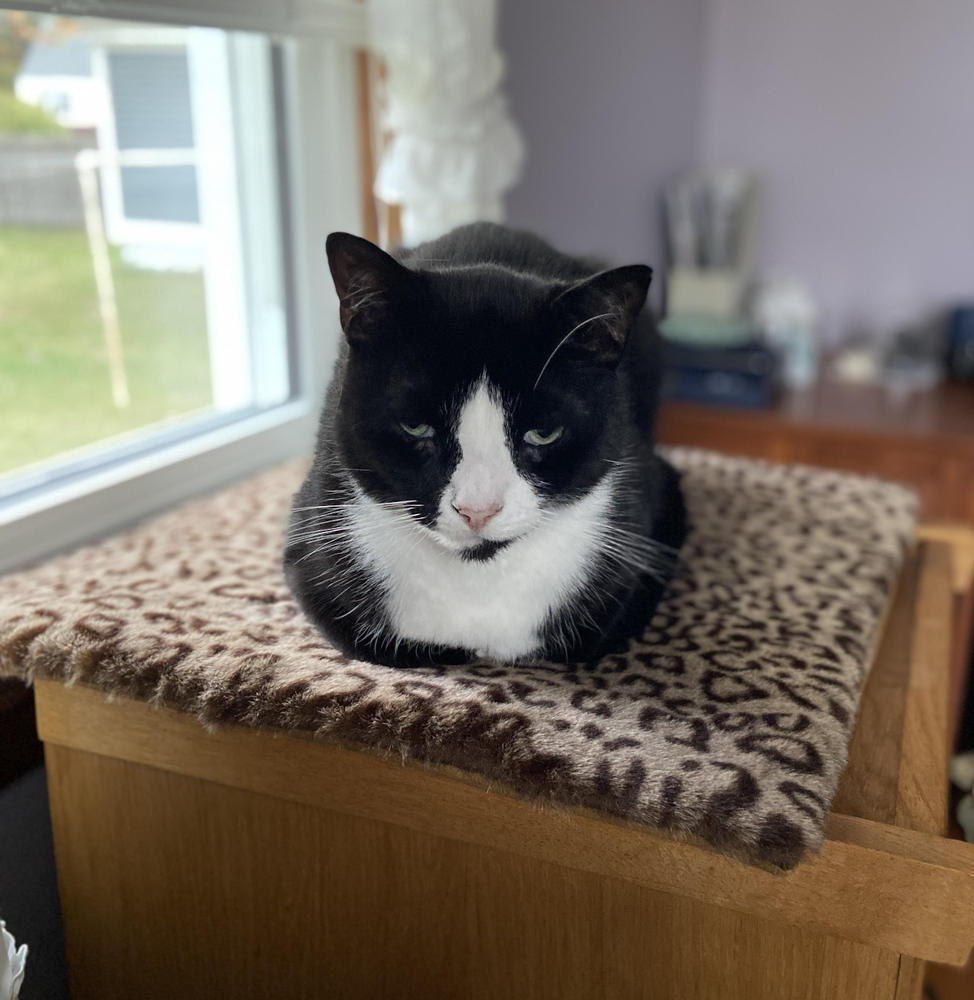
column 322, row 123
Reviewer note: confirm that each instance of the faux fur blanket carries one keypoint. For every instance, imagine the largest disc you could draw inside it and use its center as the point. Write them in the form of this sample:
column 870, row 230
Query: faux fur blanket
column 729, row 719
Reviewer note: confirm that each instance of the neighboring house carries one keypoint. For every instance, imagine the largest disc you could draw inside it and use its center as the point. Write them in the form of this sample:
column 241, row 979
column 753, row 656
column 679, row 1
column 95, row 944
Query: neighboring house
column 58, row 77
column 131, row 85
column 152, row 110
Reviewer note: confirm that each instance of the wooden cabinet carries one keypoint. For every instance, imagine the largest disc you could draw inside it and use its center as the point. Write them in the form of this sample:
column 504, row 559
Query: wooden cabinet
column 925, row 441
column 965, row 493
column 252, row 864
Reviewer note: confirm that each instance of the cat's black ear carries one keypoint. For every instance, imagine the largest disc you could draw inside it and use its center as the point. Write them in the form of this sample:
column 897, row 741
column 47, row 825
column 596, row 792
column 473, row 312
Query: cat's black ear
column 603, row 309
column 366, row 279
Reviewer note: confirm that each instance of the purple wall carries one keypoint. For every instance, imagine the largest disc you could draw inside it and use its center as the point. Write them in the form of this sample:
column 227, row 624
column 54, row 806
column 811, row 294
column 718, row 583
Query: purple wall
column 607, row 96
column 858, row 115
column 860, row 118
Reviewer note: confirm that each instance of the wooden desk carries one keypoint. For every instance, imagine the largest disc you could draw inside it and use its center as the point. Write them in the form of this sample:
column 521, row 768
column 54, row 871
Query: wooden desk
column 248, row 864
column 926, row 441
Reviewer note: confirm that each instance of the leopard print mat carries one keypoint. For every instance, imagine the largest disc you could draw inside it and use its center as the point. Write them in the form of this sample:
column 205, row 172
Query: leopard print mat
column 729, row 719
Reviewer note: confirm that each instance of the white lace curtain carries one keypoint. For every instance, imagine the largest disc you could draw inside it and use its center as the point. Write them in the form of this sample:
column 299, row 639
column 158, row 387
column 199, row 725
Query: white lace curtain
column 454, row 150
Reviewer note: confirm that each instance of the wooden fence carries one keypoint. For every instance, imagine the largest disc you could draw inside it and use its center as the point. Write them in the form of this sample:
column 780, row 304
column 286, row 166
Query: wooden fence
column 38, row 181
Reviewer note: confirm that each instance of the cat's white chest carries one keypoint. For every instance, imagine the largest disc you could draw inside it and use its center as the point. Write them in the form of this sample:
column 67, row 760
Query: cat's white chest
column 496, row 607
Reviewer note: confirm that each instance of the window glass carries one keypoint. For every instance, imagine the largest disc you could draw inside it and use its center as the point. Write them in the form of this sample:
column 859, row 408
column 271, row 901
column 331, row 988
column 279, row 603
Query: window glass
column 141, row 292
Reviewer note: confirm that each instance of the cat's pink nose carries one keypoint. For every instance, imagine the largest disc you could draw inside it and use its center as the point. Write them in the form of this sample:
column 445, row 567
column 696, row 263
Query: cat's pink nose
column 477, row 517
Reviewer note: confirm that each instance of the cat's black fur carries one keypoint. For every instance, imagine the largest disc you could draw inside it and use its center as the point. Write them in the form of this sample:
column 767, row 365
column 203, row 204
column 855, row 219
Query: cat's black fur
column 486, row 298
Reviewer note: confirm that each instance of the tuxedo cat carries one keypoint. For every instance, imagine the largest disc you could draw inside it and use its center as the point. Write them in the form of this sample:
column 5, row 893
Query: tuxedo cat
column 485, row 483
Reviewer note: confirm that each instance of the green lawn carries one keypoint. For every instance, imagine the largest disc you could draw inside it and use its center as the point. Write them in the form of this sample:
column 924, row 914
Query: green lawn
column 55, row 392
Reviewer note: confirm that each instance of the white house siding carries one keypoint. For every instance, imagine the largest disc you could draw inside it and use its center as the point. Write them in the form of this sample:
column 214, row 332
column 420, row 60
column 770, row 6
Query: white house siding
column 151, row 100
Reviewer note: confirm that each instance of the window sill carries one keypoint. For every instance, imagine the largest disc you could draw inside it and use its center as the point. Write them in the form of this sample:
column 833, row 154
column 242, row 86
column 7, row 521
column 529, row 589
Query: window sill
column 109, row 499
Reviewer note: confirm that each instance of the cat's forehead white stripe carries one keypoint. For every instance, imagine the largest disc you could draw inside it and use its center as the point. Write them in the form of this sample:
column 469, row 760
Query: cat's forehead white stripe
column 486, row 469
column 480, row 427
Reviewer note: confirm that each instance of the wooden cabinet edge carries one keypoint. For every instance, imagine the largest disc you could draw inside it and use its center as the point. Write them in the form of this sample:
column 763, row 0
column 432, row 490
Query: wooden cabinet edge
column 897, row 889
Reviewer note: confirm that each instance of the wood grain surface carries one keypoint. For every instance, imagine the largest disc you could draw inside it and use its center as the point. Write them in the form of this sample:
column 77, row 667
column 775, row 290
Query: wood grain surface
column 926, row 441
column 175, row 886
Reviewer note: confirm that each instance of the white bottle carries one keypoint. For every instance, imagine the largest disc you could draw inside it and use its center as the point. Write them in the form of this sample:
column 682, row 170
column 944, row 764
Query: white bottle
column 784, row 310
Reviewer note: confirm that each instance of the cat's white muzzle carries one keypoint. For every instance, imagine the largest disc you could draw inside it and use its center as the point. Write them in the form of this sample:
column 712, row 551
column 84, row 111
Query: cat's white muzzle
column 458, row 532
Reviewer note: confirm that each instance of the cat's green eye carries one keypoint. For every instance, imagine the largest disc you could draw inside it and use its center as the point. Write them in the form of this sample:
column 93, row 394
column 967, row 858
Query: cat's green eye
column 539, row 438
column 418, row 430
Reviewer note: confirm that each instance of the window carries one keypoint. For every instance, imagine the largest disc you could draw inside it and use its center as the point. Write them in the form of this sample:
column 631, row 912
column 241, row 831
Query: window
column 165, row 322
column 140, row 251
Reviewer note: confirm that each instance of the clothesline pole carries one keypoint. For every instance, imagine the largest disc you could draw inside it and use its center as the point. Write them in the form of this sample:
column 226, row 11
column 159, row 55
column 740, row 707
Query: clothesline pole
column 86, row 166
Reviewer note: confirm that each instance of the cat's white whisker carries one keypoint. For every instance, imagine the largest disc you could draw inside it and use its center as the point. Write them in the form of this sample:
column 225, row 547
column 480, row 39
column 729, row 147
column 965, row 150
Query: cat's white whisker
column 563, row 340
column 352, row 503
